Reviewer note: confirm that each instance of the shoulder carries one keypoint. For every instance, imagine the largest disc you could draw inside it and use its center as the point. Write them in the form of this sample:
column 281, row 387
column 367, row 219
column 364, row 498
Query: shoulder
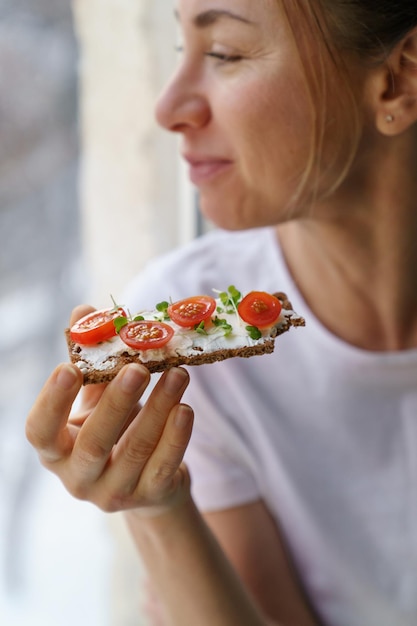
column 213, row 261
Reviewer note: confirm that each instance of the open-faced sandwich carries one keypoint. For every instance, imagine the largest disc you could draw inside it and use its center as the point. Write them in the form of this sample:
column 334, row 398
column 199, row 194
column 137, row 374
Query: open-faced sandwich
column 194, row 331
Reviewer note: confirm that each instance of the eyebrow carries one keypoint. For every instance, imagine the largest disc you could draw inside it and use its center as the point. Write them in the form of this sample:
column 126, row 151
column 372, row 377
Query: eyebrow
column 208, row 18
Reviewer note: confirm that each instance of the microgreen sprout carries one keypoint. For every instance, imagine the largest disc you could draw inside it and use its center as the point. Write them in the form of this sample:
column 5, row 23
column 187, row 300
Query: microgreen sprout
column 200, row 328
column 254, row 332
column 229, row 299
column 162, row 307
column 115, row 305
column 224, row 325
column 119, row 322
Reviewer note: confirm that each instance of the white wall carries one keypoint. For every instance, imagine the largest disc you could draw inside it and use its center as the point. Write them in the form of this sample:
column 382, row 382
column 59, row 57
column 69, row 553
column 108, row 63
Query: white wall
column 133, row 203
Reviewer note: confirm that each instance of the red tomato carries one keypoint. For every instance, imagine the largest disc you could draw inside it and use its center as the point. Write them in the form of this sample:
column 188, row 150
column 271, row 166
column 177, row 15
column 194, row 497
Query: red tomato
column 192, row 311
column 146, row 335
column 259, row 309
column 96, row 326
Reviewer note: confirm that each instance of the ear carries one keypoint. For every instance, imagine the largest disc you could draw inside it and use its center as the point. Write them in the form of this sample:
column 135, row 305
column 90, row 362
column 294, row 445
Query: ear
column 394, row 88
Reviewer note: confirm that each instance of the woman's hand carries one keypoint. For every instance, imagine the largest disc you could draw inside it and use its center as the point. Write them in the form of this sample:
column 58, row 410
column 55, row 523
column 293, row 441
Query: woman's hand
column 113, row 452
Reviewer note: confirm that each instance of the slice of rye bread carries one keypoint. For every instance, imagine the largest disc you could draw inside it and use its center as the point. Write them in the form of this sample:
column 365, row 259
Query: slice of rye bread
column 106, row 368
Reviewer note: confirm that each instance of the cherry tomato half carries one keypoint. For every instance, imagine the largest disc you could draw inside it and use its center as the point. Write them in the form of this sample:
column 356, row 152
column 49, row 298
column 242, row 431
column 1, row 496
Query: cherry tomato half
column 192, row 311
column 96, row 326
column 146, row 335
column 259, row 309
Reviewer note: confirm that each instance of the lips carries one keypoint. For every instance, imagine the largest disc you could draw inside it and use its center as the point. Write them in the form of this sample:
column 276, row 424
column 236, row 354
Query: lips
column 204, row 169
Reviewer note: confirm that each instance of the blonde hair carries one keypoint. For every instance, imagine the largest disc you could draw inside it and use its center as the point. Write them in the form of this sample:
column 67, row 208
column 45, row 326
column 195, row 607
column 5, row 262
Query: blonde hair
column 341, row 33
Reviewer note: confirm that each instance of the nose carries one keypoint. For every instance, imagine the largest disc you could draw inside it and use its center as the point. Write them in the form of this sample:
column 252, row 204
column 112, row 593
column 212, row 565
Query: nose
column 182, row 106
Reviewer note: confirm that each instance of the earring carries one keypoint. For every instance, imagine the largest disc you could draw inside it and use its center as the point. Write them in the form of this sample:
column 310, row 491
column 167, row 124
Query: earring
column 389, row 119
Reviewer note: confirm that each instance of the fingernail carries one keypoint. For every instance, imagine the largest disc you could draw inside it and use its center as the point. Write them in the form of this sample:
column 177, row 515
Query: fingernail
column 183, row 416
column 175, row 380
column 133, row 378
column 66, row 378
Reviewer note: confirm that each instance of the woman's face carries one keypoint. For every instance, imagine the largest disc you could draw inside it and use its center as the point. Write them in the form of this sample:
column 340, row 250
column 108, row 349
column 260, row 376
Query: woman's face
column 240, row 102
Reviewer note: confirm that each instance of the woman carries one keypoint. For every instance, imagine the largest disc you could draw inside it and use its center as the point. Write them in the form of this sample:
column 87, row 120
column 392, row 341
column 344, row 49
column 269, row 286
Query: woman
column 298, row 121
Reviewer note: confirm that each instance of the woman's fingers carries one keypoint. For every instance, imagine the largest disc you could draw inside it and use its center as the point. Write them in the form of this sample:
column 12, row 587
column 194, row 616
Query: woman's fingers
column 46, row 426
column 142, row 436
column 116, row 457
column 162, row 468
column 105, row 423
column 79, row 311
column 147, row 436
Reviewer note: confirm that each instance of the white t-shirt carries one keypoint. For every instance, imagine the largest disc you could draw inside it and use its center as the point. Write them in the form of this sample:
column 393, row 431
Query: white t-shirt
column 323, row 432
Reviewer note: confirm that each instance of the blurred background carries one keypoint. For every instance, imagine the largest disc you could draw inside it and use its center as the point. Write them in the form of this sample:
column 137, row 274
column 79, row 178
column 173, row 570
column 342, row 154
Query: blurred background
column 90, row 189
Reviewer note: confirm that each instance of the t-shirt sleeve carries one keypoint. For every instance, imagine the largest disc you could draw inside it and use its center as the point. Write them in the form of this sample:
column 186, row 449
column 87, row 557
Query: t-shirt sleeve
column 218, row 457
column 218, row 481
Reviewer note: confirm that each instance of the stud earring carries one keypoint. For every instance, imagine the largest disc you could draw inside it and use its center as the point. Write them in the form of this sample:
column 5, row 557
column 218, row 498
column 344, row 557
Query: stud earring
column 389, row 119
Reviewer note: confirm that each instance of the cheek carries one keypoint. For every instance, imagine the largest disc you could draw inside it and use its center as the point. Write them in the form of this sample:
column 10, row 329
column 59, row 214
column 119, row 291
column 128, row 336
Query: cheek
column 274, row 140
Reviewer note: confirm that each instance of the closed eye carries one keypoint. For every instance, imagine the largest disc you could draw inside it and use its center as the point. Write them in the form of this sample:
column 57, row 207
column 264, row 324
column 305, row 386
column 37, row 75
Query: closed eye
column 226, row 58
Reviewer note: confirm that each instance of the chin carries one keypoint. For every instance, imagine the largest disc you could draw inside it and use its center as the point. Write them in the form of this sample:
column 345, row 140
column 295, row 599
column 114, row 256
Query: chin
column 234, row 215
column 222, row 219
column 226, row 213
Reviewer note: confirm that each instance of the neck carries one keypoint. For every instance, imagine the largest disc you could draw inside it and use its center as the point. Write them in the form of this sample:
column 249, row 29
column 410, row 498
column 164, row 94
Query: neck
column 356, row 262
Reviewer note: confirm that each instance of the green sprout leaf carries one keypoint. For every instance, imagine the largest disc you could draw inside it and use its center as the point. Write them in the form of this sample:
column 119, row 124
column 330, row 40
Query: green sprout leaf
column 200, row 328
column 229, row 299
column 254, row 332
column 119, row 322
column 224, row 325
column 162, row 307
column 235, row 295
column 224, row 297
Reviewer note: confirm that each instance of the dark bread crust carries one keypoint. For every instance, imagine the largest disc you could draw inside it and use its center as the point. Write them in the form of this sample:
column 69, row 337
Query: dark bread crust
column 200, row 358
column 95, row 376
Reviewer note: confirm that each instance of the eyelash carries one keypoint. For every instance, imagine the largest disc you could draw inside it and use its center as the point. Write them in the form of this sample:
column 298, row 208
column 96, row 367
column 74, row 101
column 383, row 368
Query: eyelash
column 224, row 58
